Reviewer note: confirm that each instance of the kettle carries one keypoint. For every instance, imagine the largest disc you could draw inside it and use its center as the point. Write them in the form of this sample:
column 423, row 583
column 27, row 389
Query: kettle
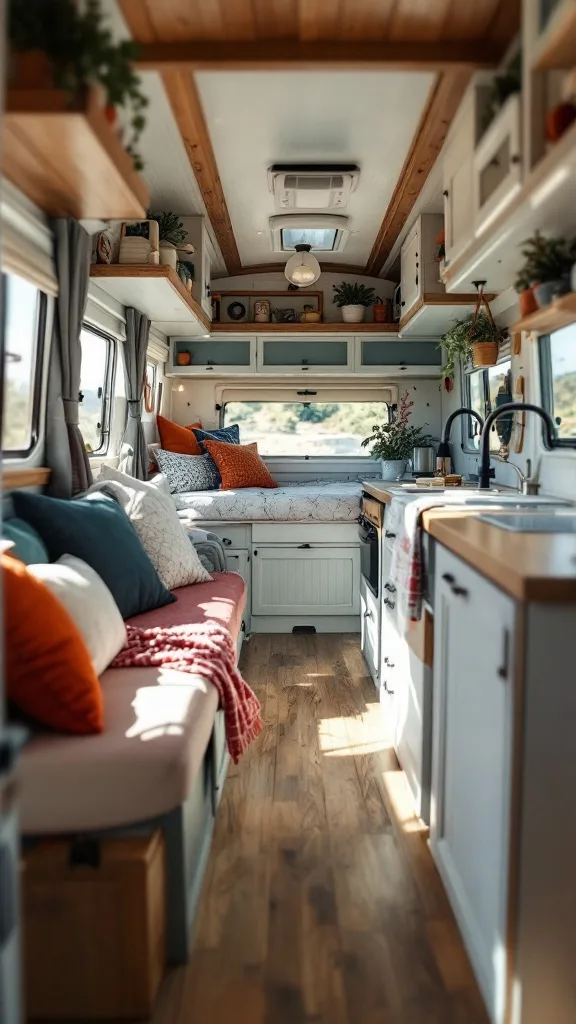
column 423, row 461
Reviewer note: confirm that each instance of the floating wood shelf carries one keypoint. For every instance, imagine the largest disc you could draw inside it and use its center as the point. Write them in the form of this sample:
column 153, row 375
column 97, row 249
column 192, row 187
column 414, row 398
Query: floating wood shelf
column 555, row 48
column 155, row 291
column 67, row 159
column 559, row 313
column 298, row 328
column 434, row 313
column 12, row 478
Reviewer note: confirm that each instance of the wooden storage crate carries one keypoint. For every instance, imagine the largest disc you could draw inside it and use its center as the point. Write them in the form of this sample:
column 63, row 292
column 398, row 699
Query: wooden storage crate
column 94, row 928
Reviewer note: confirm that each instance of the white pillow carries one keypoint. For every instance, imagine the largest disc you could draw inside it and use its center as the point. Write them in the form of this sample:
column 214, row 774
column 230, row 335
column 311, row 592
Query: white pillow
column 89, row 604
column 155, row 519
column 158, row 481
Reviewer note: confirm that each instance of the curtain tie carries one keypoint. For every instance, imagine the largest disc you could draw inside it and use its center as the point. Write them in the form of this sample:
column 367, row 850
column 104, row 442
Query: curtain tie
column 134, row 408
column 71, row 407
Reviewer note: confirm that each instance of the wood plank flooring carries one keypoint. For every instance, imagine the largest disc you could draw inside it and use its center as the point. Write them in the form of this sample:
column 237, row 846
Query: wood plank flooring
column 321, row 901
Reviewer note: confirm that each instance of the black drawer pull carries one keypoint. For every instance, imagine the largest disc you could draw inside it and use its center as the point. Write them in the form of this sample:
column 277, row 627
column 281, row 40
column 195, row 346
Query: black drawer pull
column 390, row 588
column 306, row 546
column 227, row 542
column 459, row 592
column 388, row 533
column 448, row 577
column 389, row 603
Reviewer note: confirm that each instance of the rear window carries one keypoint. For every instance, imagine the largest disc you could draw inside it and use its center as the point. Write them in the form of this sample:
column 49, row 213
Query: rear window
column 306, row 428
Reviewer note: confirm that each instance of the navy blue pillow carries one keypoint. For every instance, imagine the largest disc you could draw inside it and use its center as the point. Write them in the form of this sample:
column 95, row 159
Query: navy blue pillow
column 28, row 545
column 98, row 531
column 229, row 434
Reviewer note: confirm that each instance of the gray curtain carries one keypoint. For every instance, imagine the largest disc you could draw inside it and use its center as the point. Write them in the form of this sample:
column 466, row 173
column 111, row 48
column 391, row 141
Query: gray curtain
column 134, row 454
column 65, row 451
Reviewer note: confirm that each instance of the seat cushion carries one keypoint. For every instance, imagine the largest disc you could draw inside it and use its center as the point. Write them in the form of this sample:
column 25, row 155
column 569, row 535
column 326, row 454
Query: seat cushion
column 158, row 724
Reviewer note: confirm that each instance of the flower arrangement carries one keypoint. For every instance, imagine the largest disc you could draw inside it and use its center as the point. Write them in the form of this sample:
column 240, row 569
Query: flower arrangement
column 395, row 440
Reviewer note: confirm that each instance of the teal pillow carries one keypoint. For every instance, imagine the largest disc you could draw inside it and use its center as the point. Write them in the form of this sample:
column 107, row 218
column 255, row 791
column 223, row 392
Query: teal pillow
column 98, row 531
column 28, row 546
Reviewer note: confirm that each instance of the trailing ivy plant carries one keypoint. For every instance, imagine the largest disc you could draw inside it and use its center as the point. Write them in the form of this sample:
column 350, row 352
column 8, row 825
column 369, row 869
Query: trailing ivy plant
column 81, row 51
column 458, row 341
column 346, row 294
column 396, row 439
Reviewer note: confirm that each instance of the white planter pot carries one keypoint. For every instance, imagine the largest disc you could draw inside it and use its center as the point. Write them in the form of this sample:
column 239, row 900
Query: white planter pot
column 168, row 255
column 393, row 469
column 353, row 314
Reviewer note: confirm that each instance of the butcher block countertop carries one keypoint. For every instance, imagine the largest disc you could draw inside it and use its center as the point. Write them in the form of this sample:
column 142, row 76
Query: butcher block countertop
column 528, row 566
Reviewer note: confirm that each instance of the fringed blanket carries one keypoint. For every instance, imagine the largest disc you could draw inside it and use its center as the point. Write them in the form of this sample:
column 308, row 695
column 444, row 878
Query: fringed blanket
column 204, row 649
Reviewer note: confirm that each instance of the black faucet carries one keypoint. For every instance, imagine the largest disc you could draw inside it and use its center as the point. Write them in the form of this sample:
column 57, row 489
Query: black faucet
column 443, row 448
column 505, row 410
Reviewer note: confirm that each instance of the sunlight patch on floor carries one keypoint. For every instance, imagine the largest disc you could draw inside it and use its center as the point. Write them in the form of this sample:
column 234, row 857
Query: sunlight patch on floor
column 402, row 801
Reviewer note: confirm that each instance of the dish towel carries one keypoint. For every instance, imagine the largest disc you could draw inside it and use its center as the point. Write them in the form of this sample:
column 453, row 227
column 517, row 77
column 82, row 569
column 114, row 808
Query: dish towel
column 204, row 649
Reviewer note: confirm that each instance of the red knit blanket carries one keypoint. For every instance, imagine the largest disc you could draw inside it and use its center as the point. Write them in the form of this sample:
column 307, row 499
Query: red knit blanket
column 205, row 649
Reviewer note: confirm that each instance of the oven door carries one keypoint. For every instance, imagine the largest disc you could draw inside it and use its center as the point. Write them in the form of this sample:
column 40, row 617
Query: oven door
column 369, row 544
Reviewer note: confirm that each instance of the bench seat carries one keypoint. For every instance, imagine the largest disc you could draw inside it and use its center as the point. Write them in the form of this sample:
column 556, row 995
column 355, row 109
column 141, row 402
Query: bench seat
column 158, row 724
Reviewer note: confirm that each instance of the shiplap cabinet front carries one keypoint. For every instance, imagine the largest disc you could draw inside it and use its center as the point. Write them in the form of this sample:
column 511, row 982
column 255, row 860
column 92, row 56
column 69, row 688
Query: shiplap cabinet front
column 314, row 580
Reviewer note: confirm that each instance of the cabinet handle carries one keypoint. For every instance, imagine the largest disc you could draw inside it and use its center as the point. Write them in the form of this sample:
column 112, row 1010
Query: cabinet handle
column 504, row 667
column 388, row 533
column 445, row 193
column 402, row 303
column 208, row 367
column 416, row 280
column 368, row 614
column 459, row 591
column 389, row 603
column 515, row 159
column 304, row 367
column 305, row 546
column 387, row 688
column 388, row 662
column 448, row 577
column 390, row 588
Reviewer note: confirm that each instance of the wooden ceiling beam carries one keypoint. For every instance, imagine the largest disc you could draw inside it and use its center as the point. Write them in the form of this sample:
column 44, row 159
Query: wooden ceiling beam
column 298, row 55
column 443, row 102
column 187, row 108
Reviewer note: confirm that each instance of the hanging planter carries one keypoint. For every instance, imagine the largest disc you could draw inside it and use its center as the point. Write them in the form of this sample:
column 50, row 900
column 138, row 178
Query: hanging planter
column 474, row 339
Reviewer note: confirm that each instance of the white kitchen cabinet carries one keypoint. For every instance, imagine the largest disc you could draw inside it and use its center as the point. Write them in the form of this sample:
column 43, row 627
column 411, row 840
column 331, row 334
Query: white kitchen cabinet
column 472, row 757
column 370, row 629
column 307, row 579
column 198, row 236
column 418, row 269
column 458, row 179
column 229, row 355
column 497, row 164
column 239, row 561
column 305, row 356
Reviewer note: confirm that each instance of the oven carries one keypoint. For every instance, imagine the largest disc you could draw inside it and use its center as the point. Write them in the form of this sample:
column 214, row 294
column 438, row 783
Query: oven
column 370, row 523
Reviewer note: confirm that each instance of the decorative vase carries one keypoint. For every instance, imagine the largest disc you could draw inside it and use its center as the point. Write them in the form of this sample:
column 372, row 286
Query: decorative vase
column 393, row 469
column 184, row 359
column 353, row 314
column 549, row 290
column 527, row 302
column 485, row 353
column 168, row 255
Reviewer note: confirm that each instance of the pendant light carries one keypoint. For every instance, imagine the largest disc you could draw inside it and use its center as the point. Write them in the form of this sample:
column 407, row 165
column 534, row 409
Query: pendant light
column 302, row 268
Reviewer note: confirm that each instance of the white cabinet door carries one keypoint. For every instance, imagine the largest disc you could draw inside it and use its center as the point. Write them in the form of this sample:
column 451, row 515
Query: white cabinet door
column 458, row 204
column 497, row 164
column 410, row 275
column 472, row 745
column 239, row 561
column 370, row 629
column 306, row 580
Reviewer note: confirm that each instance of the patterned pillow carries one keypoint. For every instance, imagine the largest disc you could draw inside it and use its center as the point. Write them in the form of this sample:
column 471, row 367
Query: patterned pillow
column 187, row 472
column 229, row 434
column 239, row 465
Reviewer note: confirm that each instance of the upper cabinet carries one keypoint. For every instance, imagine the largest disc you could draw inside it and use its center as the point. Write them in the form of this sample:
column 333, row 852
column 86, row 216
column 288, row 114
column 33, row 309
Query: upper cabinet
column 198, row 237
column 457, row 181
column 497, row 164
column 419, row 269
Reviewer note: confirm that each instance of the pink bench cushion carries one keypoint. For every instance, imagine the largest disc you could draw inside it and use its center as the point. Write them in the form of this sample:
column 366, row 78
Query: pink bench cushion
column 157, row 727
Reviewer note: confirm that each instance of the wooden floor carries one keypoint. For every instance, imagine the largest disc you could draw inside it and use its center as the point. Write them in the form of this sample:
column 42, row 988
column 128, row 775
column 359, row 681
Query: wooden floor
column 321, row 901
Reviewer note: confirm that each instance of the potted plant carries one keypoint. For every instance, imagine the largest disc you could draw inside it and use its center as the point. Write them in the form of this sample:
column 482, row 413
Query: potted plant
column 393, row 442
column 172, row 235
column 547, row 264
column 66, row 46
column 475, row 338
column 526, row 297
column 352, row 299
column 503, row 86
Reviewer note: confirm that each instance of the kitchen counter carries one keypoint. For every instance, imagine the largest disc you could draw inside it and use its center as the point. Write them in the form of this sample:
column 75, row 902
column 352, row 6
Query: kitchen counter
column 528, row 566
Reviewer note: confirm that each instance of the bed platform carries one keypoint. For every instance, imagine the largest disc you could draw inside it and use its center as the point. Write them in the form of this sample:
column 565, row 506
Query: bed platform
column 323, row 501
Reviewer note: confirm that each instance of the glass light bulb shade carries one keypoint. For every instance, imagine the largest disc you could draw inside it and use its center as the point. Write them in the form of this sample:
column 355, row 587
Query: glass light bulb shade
column 302, row 268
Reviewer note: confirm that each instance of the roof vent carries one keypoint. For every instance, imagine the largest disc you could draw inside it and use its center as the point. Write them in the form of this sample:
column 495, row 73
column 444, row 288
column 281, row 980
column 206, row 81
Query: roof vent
column 306, row 187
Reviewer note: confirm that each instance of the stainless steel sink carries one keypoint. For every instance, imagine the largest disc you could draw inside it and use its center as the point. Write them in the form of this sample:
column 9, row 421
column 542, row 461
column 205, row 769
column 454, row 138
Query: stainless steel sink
column 540, row 522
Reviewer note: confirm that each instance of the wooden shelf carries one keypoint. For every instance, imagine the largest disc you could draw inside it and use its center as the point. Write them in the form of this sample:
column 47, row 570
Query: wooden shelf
column 16, row 478
column 66, row 158
column 555, row 48
column 298, row 328
column 157, row 292
column 559, row 313
column 434, row 313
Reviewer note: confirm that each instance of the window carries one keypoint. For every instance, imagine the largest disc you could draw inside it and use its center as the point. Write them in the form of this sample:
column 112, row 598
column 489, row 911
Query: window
column 484, row 390
column 23, row 327
column 150, row 387
column 558, row 381
column 306, row 428
column 96, row 380
column 323, row 239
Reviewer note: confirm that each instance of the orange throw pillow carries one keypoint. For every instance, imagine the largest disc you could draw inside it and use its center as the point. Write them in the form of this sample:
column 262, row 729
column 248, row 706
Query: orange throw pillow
column 239, row 465
column 49, row 672
column 174, row 438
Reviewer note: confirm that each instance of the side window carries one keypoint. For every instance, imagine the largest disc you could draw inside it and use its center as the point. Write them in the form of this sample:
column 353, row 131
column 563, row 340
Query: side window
column 557, row 353
column 150, row 387
column 23, row 327
column 96, row 383
column 484, row 390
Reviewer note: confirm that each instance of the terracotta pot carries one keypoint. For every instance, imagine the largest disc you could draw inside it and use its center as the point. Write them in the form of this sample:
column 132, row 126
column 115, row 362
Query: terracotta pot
column 183, row 359
column 485, row 353
column 381, row 312
column 558, row 120
column 32, row 69
column 527, row 301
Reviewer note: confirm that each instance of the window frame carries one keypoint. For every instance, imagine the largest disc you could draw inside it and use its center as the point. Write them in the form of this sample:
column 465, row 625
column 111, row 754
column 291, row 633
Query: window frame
column 108, row 389
column 547, row 391
column 39, row 350
column 468, row 422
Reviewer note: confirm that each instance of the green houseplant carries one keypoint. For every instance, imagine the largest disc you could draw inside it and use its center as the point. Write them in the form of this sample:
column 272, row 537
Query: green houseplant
column 547, row 263
column 172, row 236
column 475, row 338
column 353, row 299
column 62, row 46
column 394, row 441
